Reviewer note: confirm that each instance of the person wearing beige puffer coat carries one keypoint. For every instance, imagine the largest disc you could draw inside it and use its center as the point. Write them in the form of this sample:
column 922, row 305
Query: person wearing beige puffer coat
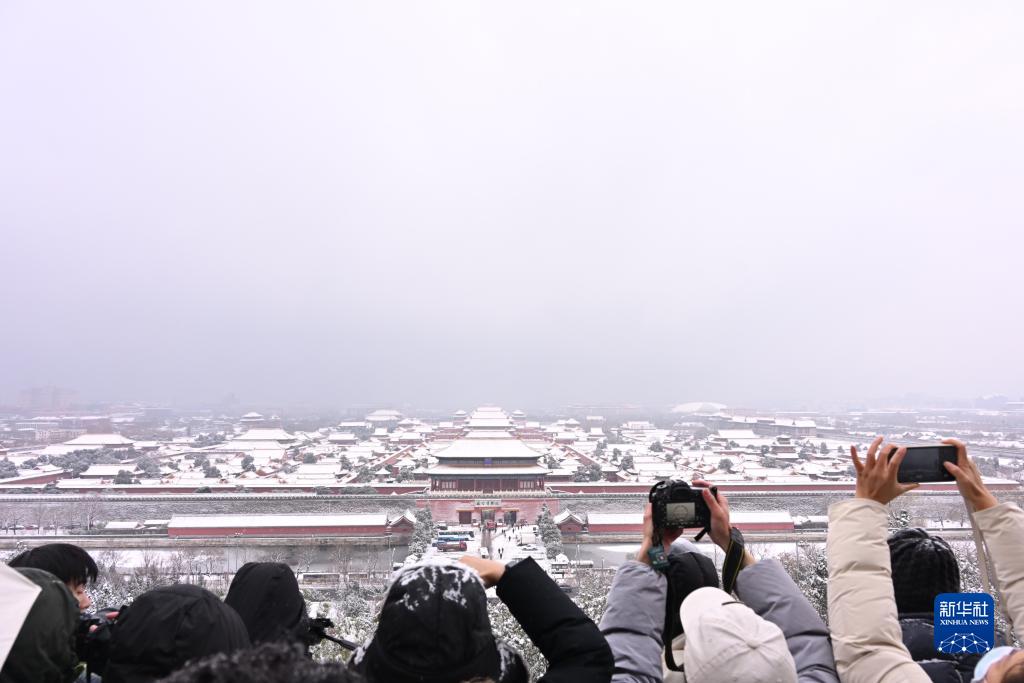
column 866, row 635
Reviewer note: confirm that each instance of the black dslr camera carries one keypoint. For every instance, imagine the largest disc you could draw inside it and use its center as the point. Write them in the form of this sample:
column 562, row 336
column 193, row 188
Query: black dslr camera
column 677, row 505
column 92, row 639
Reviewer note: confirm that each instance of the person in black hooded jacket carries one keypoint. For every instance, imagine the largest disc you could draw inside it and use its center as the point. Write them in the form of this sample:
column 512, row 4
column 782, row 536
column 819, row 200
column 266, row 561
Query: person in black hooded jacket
column 44, row 650
column 168, row 626
column 434, row 627
column 267, row 597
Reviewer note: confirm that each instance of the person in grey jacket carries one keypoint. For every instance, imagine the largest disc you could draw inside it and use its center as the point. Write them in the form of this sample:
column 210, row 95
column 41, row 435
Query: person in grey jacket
column 634, row 619
column 635, row 613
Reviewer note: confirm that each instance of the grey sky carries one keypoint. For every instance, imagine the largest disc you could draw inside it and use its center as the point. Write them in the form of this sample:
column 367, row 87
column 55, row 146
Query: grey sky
column 530, row 203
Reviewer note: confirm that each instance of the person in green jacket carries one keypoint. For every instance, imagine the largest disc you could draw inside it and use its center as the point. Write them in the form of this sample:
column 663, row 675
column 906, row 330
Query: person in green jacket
column 44, row 651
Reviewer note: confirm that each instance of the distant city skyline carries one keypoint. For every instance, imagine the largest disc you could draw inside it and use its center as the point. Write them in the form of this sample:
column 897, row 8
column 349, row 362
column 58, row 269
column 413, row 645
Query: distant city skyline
column 238, row 405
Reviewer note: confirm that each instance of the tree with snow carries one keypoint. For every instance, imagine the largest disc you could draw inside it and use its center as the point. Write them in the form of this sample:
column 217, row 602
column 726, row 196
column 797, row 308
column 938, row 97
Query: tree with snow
column 422, row 532
column 549, row 533
column 808, row 567
column 7, row 469
column 149, row 466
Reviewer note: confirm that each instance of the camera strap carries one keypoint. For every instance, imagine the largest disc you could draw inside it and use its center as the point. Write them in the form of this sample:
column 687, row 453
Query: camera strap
column 656, row 554
column 733, row 560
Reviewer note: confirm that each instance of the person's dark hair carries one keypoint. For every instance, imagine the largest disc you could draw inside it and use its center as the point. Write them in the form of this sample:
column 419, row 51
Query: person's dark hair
column 267, row 597
column 271, row 662
column 922, row 567
column 67, row 562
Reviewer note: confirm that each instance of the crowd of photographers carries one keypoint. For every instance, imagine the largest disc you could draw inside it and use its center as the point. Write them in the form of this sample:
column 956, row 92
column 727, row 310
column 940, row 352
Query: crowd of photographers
column 671, row 614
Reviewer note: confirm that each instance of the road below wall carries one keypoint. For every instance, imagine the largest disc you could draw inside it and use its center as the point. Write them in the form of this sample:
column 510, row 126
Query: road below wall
column 75, row 508
column 152, row 541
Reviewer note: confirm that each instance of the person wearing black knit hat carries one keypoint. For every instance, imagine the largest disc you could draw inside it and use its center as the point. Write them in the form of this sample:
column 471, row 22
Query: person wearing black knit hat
column 924, row 566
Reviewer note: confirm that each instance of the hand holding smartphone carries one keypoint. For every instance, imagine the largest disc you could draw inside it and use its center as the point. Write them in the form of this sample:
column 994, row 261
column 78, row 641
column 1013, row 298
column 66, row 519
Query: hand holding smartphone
column 925, row 463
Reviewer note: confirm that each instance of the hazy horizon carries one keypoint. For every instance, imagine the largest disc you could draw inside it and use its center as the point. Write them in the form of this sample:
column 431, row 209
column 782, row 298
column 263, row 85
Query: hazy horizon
column 531, row 205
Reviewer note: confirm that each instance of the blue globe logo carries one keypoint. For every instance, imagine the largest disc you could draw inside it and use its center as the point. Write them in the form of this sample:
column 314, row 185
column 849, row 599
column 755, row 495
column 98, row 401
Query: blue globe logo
column 964, row 643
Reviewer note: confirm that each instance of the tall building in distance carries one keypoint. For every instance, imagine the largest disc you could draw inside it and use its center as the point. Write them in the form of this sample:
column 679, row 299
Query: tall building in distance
column 48, row 399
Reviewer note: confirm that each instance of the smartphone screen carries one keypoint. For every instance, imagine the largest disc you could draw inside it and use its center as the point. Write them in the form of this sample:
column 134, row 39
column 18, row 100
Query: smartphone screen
column 924, row 463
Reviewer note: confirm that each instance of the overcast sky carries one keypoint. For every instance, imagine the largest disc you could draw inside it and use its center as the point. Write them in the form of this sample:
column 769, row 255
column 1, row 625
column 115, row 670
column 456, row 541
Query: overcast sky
column 441, row 203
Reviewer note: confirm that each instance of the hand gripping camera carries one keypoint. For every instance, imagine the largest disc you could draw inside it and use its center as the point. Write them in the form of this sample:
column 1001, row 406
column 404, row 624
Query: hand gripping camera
column 318, row 632
column 92, row 639
column 677, row 505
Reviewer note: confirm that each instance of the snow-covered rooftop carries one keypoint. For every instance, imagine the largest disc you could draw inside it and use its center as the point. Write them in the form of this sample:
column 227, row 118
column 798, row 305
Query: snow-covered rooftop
column 218, row 521
column 503, row 446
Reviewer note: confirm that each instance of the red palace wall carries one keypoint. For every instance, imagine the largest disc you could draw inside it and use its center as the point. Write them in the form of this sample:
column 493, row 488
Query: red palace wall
column 570, row 528
column 282, row 531
column 38, row 479
column 447, row 509
column 638, row 528
column 758, row 487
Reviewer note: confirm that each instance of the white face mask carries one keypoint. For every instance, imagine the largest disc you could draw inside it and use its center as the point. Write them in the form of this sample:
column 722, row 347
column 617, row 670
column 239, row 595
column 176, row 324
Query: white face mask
column 990, row 658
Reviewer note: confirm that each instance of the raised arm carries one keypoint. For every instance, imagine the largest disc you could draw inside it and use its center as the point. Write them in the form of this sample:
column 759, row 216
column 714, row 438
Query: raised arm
column 568, row 639
column 635, row 614
column 866, row 635
column 1002, row 527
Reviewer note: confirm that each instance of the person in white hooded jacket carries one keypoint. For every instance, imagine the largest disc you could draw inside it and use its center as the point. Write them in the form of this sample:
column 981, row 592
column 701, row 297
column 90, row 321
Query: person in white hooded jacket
column 866, row 634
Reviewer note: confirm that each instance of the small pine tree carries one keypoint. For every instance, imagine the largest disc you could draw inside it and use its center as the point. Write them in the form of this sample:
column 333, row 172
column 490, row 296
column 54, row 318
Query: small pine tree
column 549, row 533
column 808, row 567
column 7, row 469
column 422, row 532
